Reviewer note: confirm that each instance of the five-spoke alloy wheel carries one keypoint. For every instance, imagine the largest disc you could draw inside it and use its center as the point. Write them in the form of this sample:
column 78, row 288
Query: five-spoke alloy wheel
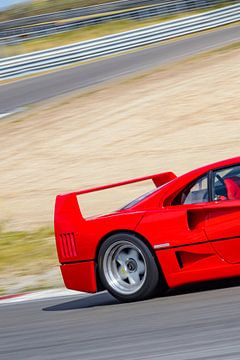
column 127, row 267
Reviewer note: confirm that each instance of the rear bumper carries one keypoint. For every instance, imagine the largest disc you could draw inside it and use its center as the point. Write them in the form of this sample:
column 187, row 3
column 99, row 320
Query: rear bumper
column 80, row 276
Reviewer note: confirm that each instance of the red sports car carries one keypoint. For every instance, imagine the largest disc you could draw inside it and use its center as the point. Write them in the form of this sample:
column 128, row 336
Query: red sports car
column 186, row 230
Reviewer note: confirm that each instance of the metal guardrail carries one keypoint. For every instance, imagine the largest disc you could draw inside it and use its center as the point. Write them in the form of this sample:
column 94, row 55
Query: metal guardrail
column 77, row 12
column 24, row 33
column 53, row 58
column 103, row 8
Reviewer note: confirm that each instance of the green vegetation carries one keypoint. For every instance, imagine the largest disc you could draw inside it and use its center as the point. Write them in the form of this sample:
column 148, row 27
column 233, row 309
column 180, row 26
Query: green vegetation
column 28, row 261
column 24, row 253
column 37, row 7
column 69, row 37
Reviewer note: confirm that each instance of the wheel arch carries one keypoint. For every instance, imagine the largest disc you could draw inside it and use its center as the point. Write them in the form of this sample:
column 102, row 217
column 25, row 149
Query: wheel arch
column 140, row 237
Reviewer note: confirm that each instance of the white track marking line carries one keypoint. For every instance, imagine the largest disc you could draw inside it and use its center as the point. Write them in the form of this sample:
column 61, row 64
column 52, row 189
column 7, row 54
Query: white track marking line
column 40, row 295
column 3, row 115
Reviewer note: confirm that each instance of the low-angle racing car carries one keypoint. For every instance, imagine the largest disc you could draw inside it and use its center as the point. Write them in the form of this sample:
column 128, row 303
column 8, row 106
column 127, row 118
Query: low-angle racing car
column 186, row 230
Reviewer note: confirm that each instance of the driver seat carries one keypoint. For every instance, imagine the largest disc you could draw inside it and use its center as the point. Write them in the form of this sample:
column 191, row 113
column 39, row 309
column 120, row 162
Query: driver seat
column 233, row 187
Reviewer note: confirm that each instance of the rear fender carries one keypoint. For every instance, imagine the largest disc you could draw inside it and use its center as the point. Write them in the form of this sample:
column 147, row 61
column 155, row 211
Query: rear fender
column 68, row 223
column 77, row 238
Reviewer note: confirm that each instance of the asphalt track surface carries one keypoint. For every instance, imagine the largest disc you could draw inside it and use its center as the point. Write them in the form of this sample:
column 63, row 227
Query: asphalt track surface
column 32, row 90
column 202, row 324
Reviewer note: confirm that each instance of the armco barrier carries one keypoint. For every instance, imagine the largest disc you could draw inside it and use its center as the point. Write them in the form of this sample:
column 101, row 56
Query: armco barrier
column 13, row 33
column 112, row 6
column 52, row 58
column 104, row 8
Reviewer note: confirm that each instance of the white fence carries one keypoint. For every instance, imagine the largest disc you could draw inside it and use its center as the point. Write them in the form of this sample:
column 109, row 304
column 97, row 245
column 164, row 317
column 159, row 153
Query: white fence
column 61, row 56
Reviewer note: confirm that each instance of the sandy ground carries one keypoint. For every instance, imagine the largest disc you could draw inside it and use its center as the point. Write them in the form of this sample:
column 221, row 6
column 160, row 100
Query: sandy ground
column 176, row 118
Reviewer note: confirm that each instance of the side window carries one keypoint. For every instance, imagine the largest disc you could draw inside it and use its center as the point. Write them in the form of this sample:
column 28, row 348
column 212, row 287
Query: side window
column 194, row 193
column 226, row 183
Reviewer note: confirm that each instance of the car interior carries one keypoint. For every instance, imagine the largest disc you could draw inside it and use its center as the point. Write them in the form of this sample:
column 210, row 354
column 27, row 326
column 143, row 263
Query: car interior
column 226, row 186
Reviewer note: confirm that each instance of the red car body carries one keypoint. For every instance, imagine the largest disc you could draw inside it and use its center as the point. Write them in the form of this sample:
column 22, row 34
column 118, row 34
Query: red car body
column 191, row 242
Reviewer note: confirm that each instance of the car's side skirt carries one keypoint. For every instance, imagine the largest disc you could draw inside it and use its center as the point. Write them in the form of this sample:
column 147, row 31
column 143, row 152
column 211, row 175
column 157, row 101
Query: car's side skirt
column 193, row 263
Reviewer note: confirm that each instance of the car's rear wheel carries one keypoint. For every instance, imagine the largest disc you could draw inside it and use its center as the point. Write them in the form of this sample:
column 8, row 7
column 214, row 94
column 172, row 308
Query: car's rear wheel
column 127, row 268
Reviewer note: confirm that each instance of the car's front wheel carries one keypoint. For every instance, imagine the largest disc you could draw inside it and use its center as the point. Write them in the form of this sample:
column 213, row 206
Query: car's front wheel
column 127, row 268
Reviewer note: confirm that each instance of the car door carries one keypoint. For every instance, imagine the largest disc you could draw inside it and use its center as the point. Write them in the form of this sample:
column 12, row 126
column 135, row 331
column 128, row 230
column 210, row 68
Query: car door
column 187, row 214
column 222, row 224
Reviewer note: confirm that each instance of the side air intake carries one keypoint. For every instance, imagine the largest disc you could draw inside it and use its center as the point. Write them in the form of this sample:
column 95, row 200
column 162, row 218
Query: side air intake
column 67, row 244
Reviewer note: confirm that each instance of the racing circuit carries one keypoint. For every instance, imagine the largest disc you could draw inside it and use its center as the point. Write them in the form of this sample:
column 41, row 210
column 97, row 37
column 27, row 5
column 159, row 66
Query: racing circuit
column 191, row 323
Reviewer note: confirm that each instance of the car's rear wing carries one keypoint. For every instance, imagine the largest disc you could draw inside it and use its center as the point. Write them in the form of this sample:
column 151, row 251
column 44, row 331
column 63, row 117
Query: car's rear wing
column 67, row 212
column 158, row 180
column 69, row 223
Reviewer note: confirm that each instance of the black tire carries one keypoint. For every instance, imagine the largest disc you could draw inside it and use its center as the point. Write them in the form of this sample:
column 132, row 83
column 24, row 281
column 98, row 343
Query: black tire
column 127, row 268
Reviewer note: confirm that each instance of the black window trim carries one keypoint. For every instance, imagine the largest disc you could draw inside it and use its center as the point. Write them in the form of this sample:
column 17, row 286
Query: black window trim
column 210, row 186
column 211, row 178
column 210, row 183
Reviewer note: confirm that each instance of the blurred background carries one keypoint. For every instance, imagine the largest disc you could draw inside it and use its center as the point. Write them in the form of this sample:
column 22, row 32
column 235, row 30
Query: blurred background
column 28, row 26
column 176, row 116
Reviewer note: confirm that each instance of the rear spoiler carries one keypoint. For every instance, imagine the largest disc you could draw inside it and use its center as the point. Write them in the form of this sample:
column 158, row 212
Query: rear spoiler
column 158, row 180
column 68, row 216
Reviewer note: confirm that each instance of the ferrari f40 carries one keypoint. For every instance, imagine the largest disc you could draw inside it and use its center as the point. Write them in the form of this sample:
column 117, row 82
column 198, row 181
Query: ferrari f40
column 186, row 230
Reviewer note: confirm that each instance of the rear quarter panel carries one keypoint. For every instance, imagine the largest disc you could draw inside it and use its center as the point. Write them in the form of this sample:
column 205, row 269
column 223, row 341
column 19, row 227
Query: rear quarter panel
column 77, row 239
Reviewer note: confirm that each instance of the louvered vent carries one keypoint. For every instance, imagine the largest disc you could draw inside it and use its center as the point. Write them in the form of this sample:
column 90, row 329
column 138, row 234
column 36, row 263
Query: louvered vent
column 68, row 245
